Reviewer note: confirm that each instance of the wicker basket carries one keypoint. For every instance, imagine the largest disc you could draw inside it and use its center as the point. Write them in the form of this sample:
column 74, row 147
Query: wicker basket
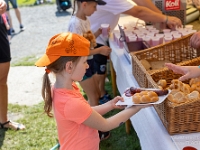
column 176, row 51
column 177, row 118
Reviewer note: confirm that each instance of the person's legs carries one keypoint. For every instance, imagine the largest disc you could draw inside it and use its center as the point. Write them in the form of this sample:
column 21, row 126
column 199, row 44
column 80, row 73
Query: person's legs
column 100, row 76
column 91, row 89
column 4, row 123
column 4, row 67
column 18, row 15
column 89, row 85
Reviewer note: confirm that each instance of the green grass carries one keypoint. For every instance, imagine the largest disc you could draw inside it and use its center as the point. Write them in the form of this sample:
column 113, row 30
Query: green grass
column 26, row 2
column 26, row 61
column 40, row 133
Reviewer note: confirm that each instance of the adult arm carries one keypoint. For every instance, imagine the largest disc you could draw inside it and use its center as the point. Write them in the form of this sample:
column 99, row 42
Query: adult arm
column 3, row 6
column 148, row 4
column 188, row 72
column 146, row 14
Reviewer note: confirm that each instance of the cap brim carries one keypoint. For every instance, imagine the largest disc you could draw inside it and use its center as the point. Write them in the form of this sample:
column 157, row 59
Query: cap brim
column 46, row 60
column 100, row 2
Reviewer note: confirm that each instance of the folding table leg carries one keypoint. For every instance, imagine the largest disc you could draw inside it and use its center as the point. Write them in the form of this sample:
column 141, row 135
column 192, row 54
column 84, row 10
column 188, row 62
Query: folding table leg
column 113, row 79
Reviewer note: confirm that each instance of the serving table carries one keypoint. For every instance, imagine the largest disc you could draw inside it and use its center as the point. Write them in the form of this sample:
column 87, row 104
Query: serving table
column 147, row 124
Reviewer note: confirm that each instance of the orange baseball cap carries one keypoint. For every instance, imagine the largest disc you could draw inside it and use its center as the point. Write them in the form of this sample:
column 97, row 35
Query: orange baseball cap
column 64, row 44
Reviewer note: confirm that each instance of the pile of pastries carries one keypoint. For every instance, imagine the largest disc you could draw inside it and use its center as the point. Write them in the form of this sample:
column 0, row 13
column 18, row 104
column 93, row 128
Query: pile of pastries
column 182, row 92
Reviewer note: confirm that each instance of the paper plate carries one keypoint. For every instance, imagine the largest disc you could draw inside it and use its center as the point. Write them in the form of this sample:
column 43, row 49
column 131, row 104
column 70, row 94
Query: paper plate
column 128, row 100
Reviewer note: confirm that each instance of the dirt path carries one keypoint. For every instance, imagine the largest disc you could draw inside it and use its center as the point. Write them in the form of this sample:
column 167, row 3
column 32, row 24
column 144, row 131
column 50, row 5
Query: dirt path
column 41, row 22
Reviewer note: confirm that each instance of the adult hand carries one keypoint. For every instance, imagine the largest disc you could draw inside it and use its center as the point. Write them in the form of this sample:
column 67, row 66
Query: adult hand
column 173, row 22
column 187, row 71
column 195, row 40
column 3, row 6
column 115, row 100
column 105, row 50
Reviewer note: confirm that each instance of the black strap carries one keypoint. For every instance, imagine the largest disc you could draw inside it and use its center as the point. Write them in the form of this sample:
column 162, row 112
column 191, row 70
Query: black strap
column 3, row 124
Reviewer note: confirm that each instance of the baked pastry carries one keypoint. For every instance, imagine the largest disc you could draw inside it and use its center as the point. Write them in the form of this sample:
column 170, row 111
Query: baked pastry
column 195, row 86
column 158, row 64
column 162, row 83
column 146, row 64
column 194, row 80
column 177, row 97
column 145, row 97
column 185, row 88
column 194, row 95
column 90, row 36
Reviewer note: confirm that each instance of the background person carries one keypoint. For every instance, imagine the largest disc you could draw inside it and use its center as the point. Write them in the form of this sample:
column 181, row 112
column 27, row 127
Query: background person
column 17, row 13
column 110, row 14
column 5, row 59
column 80, row 24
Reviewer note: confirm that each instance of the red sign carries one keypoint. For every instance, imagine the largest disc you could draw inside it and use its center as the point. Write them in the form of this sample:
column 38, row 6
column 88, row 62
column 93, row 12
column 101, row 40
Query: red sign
column 172, row 4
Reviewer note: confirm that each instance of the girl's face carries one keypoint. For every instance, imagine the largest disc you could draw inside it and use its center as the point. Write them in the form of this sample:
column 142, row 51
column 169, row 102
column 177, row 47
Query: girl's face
column 90, row 8
column 80, row 69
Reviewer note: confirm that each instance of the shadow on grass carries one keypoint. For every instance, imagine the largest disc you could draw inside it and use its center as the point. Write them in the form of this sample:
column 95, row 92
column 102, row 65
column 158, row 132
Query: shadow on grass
column 2, row 136
column 16, row 33
column 62, row 13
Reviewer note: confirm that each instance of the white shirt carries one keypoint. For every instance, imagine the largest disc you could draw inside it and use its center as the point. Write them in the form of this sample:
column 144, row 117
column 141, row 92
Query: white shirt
column 108, row 14
column 79, row 26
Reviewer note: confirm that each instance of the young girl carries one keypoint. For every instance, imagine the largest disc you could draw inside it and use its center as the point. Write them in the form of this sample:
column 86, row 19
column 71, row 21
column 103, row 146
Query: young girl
column 80, row 24
column 77, row 122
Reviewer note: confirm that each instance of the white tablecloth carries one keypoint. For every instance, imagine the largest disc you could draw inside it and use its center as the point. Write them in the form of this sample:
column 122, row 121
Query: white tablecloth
column 150, row 130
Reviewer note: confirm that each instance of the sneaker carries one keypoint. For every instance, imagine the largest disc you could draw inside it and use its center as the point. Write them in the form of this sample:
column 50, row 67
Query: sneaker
column 104, row 135
column 12, row 31
column 105, row 99
column 22, row 28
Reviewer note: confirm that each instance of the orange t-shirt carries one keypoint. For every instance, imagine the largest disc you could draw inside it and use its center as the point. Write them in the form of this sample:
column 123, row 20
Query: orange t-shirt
column 70, row 111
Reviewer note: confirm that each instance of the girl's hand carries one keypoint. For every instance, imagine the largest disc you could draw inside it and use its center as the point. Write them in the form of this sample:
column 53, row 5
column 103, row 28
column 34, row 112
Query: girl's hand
column 99, row 31
column 108, row 30
column 115, row 100
column 105, row 50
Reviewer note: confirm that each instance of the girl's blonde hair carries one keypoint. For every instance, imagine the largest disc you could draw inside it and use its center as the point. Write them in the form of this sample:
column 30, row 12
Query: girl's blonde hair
column 56, row 67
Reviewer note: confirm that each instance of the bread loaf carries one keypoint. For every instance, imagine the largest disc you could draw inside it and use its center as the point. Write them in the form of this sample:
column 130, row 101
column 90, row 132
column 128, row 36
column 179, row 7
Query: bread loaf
column 162, row 83
column 193, row 95
column 177, row 97
column 145, row 97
